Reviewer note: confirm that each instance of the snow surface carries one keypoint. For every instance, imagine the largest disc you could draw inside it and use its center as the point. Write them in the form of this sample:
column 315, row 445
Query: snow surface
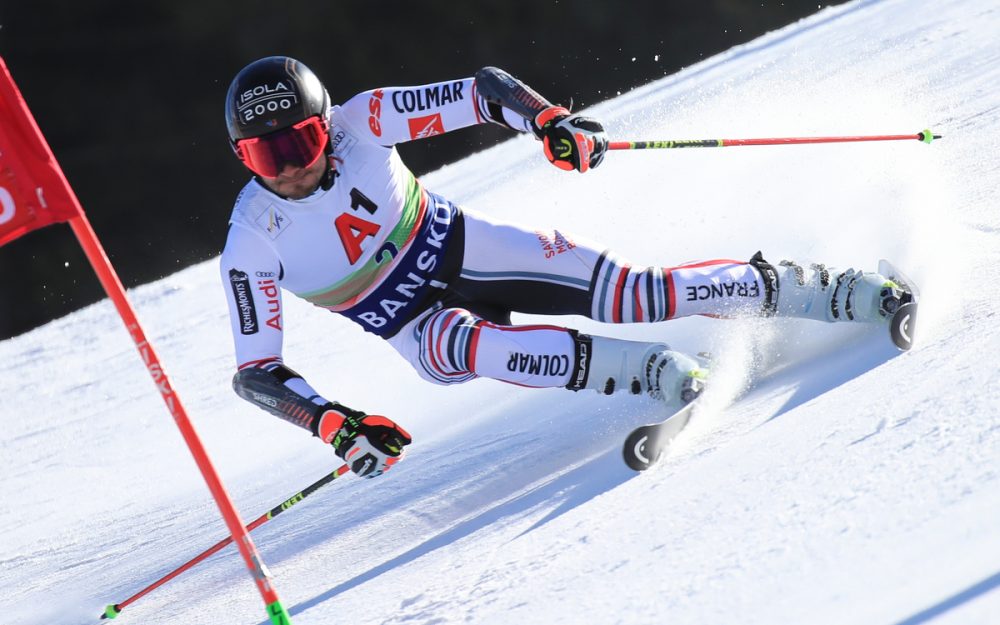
column 846, row 484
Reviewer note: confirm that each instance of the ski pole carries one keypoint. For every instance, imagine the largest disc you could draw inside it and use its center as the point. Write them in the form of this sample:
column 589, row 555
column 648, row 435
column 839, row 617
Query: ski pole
column 115, row 609
column 925, row 135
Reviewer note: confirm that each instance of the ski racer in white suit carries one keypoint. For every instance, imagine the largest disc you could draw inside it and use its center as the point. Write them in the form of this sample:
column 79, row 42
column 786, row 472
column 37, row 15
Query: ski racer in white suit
column 333, row 216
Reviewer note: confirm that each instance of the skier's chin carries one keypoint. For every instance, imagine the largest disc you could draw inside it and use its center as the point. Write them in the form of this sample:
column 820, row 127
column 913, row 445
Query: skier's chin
column 297, row 190
column 298, row 184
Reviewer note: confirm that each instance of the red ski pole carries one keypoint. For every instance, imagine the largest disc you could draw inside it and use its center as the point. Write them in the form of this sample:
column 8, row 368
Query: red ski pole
column 925, row 136
column 115, row 609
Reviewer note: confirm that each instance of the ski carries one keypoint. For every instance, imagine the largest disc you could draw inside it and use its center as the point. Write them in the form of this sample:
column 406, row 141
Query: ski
column 903, row 322
column 646, row 443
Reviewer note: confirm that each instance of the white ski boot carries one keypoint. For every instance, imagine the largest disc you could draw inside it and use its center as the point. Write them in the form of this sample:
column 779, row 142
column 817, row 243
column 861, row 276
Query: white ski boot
column 653, row 368
column 828, row 294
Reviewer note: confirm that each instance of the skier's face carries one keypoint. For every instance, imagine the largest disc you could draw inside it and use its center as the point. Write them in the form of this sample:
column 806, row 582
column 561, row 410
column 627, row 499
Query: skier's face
column 296, row 183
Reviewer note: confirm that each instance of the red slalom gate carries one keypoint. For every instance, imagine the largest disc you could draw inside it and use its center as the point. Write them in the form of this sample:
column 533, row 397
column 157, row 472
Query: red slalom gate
column 34, row 193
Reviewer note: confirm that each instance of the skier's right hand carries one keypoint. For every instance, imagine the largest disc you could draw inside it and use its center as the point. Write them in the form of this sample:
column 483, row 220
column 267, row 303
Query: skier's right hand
column 570, row 141
column 370, row 444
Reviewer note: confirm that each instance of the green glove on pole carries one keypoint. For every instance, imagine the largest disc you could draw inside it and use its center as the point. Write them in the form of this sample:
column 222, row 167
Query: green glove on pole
column 925, row 136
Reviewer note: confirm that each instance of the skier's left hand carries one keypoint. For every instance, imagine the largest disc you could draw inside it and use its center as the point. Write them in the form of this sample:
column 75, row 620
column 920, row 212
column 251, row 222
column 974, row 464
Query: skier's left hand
column 571, row 141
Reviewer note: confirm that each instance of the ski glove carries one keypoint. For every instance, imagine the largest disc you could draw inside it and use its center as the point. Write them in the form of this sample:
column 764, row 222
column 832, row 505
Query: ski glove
column 370, row 444
column 571, row 141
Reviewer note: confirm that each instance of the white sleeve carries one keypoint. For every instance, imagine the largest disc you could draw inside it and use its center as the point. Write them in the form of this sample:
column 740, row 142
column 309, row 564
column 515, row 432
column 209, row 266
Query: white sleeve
column 251, row 275
column 393, row 115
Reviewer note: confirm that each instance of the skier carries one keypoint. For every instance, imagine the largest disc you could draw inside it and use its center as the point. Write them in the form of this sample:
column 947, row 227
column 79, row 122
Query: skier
column 334, row 216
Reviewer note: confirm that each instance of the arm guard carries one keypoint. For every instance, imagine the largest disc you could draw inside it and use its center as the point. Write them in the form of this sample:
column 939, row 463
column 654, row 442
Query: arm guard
column 497, row 90
column 283, row 393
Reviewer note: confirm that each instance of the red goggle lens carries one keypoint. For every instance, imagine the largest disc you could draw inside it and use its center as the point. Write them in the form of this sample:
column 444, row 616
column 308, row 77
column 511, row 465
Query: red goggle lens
column 298, row 146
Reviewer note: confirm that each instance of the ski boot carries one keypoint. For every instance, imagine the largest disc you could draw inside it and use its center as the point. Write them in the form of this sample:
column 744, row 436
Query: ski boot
column 672, row 377
column 828, row 294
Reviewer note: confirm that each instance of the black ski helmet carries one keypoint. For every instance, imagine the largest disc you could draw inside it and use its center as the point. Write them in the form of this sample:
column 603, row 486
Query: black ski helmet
column 271, row 94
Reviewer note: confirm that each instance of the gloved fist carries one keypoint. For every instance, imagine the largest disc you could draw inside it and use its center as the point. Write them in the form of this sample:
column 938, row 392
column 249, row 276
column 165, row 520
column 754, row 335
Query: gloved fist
column 571, row 141
column 370, row 444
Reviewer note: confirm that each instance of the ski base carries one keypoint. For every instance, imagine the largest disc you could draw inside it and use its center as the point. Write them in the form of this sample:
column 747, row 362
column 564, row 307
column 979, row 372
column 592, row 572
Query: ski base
column 646, row 443
column 902, row 325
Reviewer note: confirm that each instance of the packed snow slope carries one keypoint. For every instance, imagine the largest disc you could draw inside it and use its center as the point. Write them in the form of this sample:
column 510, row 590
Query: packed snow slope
column 838, row 482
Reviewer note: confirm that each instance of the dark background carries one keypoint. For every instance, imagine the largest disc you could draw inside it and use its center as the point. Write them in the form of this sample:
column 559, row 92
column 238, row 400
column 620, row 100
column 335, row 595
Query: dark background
column 130, row 96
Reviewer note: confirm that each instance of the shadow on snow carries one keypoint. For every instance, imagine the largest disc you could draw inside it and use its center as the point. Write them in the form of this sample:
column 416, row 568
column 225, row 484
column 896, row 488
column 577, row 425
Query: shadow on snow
column 571, row 489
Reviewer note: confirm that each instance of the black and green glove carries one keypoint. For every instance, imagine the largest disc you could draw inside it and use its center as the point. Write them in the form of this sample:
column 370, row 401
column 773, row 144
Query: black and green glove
column 370, row 444
column 571, row 141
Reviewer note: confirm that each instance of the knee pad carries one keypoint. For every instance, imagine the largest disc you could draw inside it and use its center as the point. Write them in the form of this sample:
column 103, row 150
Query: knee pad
column 446, row 346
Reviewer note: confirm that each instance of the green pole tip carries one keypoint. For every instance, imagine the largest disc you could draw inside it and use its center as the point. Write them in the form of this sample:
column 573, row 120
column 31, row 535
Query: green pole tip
column 111, row 611
column 278, row 614
column 927, row 136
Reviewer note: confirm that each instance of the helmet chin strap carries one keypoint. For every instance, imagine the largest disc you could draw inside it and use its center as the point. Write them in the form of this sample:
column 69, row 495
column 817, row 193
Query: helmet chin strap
column 331, row 173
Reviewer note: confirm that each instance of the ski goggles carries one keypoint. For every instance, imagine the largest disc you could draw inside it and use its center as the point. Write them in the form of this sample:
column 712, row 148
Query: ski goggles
column 298, row 146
